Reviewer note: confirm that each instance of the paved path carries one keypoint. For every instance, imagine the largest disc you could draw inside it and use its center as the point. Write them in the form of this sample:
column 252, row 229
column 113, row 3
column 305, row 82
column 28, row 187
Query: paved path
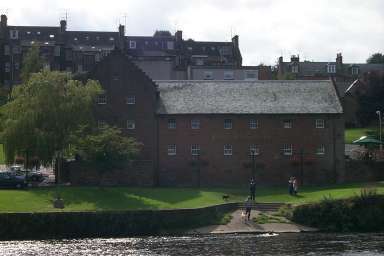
column 239, row 224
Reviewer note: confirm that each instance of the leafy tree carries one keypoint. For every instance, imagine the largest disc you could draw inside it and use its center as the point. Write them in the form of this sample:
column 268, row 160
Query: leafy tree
column 32, row 63
column 43, row 112
column 376, row 58
column 106, row 146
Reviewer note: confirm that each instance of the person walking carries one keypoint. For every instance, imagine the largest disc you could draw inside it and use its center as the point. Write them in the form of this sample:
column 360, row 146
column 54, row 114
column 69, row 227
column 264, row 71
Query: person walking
column 290, row 185
column 252, row 189
column 295, row 186
column 248, row 208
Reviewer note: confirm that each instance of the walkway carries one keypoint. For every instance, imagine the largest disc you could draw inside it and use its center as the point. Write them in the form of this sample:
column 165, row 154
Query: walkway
column 239, row 224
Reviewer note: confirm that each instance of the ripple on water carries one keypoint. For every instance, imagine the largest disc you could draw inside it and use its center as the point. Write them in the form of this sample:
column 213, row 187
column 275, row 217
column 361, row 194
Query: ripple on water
column 245, row 244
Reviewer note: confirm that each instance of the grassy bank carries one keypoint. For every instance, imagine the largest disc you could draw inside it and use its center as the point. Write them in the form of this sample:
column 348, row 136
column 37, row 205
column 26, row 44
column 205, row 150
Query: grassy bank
column 99, row 199
column 355, row 133
column 2, row 157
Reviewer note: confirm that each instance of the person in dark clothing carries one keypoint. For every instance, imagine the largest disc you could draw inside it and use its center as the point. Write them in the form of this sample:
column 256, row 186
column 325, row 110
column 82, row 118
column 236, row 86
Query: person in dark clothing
column 252, row 189
column 290, row 185
column 248, row 207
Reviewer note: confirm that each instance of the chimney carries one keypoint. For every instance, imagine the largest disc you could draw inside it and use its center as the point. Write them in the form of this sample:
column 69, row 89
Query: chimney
column 179, row 36
column 3, row 20
column 339, row 58
column 235, row 41
column 280, row 59
column 121, row 37
column 63, row 26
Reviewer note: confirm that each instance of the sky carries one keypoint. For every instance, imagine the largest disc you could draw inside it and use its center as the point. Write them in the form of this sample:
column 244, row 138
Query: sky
column 315, row 30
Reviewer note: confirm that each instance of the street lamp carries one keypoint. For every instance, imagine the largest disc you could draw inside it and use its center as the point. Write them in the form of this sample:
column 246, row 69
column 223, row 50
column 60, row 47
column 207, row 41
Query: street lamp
column 253, row 154
column 379, row 114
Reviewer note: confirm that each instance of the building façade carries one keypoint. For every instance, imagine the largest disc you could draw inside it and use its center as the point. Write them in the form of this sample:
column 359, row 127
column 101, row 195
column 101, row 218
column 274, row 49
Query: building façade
column 214, row 132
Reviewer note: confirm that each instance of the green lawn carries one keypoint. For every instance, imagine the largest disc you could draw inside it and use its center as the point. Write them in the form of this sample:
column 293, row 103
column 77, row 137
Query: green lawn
column 1, row 154
column 355, row 133
column 96, row 199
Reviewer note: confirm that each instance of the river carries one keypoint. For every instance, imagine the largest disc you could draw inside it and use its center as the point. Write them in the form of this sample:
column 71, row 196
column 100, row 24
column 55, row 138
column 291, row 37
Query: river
column 246, row 244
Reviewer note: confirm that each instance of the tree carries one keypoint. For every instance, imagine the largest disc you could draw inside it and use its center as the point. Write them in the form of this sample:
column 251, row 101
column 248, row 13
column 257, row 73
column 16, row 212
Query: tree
column 376, row 58
column 32, row 63
column 42, row 114
column 106, row 147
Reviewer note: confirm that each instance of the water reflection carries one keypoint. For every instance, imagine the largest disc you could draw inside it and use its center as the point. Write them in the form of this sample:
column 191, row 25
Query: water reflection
column 283, row 244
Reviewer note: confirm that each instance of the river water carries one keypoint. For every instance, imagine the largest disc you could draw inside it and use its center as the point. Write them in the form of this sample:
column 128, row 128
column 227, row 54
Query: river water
column 247, row 244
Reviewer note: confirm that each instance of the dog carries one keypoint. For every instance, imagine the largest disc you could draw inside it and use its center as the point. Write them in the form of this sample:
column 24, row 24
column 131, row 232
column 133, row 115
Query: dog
column 225, row 197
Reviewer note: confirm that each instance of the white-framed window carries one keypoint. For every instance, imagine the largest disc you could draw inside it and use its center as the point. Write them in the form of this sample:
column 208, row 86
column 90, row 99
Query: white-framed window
column 170, row 45
column 111, row 39
column 171, row 149
column 320, row 150
column 101, row 99
column 331, row 68
column 254, row 150
column 130, row 100
column 253, row 123
column 199, row 62
column 355, row 70
column 101, row 124
column 131, row 124
column 171, row 123
column 228, row 75
column 14, row 34
column 195, row 149
column 208, row 75
column 287, row 149
column 320, row 123
column 132, row 44
column 251, row 75
column 227, row 149
column 227, row 123
column 287, row 124
column 195, row 124
column 51, row 36
column 295, row 69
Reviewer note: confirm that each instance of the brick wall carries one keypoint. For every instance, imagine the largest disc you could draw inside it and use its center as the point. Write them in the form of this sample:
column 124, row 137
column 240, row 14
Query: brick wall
column 217, row 169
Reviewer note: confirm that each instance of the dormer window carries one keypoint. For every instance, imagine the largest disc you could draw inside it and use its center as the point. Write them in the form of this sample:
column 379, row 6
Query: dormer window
column 331, row 68
column 355, row 70
column 132, row 44
column 295, row 69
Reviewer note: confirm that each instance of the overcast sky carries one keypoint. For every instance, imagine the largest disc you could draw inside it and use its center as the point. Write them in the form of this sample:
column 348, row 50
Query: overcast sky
column 316, row 30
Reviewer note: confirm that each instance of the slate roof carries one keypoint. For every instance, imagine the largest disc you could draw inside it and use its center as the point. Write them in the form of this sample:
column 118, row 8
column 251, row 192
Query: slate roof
column 248, row 97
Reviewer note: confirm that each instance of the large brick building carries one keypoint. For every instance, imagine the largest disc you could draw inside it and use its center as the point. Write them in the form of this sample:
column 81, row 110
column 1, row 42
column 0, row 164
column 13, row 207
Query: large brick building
column 205, row 132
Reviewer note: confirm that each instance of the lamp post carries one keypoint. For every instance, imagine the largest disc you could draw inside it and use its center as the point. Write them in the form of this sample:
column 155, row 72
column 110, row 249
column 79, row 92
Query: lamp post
column 381, row 145
column 253, row 152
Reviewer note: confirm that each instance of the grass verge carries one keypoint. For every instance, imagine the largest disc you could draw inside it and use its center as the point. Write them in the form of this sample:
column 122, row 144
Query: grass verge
column 2, row 157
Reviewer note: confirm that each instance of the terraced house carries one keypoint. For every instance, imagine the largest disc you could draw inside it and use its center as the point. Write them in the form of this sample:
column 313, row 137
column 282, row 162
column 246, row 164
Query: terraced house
column 213, row 132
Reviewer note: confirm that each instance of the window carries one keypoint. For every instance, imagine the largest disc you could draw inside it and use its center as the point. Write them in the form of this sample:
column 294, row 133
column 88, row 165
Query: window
column 172, row 149
column 131, row 124
column 251, row 75
column 7, row 50
column 101, row 124
column 101, row 99
column 79, row 68
column 295, row 69
column 287, row 124
column 355, row 70
column 170, row 45
column 195, row 150
column 131, row 100
column 253, row 124
column 254, row 150
column 195, row 124
column 14, row 34
column 227, row 123
column 7, row 67
column 171, row 124
column 331, row 68
column 199, row 62
column 228, row 75
column 208, row 75
column 287, row 149
column 132, row 44
column 16, row 50
column 111, row 39
column 227, row 150
column 57, row 51
column 320, row 123
column 51, row 36
column 320, row 150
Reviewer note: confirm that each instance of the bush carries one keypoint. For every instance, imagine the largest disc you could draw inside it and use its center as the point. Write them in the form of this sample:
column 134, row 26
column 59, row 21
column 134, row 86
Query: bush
column 362, row 213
